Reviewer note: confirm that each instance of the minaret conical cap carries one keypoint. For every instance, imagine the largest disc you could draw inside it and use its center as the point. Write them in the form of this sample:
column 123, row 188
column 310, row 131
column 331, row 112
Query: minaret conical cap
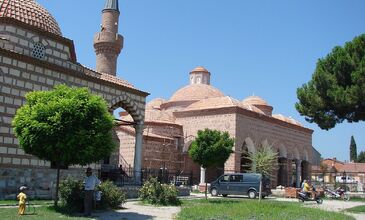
column 111, row 5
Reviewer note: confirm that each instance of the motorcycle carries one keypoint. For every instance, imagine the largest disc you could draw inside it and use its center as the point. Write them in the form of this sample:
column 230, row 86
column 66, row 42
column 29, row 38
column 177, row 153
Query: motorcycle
column 337, row 194
column 302, row 196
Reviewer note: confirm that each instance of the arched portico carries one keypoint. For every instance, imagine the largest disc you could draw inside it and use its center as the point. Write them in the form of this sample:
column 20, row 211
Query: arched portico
column 132, row 104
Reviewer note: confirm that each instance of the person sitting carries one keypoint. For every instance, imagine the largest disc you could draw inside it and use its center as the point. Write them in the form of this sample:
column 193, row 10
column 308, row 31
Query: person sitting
column 306, row 188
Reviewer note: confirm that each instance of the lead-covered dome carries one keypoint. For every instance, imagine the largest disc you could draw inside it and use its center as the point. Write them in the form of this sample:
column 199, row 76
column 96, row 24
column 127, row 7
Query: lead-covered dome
column 29, row 12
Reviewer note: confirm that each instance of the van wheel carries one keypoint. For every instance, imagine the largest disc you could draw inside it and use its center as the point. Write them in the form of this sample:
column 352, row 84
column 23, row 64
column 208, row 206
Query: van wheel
column 224, row 195
column 251, row 194
column 214, row 192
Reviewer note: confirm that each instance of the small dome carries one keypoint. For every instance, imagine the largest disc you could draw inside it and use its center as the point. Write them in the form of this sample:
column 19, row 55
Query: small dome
column 157, row 115
column 252, row 108
column 260, row 103
column 218, row 102
column 255, row 100
column 155, row 103
column 221, row 102
column 199, row 69
column 196, row 92
column 29, row 12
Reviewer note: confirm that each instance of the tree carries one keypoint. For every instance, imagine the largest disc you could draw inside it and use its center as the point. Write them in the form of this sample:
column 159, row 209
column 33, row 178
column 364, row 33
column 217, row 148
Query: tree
column 263, row 161
column 361, row 157
column 66, row 126
column 323, row 167
column 211, row 148
column 353, row 150
column 336, row 91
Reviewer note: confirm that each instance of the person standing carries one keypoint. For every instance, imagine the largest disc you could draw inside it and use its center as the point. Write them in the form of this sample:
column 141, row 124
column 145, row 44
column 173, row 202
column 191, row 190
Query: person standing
column 91, row 182
column 22, row 197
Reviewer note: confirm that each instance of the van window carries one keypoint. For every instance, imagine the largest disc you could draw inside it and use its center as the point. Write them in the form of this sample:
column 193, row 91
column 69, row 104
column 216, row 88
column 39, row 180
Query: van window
column 224, row 178
column 251, row 178
column 236, row 178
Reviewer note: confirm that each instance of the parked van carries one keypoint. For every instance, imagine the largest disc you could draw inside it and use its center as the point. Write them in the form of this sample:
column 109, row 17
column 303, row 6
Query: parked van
column 240, row 184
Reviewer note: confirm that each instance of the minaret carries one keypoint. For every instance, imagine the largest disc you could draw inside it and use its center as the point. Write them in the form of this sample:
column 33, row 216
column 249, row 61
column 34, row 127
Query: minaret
column 108, row 43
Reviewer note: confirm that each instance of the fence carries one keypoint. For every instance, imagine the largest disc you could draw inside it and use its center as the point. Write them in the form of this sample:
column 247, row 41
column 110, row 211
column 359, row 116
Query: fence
column 127, row 176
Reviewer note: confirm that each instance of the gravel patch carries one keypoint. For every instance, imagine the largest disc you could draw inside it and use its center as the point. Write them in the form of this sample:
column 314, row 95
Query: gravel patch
column 136, row 211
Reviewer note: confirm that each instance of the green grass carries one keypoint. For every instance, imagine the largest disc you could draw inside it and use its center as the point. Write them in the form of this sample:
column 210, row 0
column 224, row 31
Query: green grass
column 42, row 213
column 357, row 209
column 34, row 202
column 230, row 209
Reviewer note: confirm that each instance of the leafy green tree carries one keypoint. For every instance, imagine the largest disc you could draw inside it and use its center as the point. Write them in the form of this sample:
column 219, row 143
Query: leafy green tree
column 66, row 126
column 211, row 148
column 336, row 91
column 361, row 157
column 353, row 150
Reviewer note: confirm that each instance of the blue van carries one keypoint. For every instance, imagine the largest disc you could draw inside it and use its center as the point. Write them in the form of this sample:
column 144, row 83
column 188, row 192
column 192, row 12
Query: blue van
column 240, row 184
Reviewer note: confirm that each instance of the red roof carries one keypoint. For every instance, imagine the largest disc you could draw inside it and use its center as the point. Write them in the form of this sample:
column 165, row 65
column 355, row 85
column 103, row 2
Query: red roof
column 29, row 12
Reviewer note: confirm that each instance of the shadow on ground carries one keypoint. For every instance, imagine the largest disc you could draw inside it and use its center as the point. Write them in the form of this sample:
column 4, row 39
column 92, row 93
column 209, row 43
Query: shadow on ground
column 114, row 215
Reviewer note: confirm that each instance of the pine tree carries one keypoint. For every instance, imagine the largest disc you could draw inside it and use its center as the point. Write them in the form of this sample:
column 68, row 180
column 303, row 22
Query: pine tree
column 353, row 150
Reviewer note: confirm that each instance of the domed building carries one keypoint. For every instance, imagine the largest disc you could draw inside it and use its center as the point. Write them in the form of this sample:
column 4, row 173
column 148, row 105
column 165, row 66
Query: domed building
column 35, row 56
column 172, row 124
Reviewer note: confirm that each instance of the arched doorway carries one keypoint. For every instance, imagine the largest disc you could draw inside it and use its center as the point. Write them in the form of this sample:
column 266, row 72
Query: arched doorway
column 305, row 170
column 135, row 107
column 247, row 147
column 282, row 174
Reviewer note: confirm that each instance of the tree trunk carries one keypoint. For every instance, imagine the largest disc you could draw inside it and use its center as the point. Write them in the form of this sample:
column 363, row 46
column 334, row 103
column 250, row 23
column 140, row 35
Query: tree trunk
column 206, row 188
column 57, row 185
column 260, row 189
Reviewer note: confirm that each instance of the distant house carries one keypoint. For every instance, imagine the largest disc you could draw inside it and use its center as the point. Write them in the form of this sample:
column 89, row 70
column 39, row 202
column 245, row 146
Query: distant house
column 339, row 169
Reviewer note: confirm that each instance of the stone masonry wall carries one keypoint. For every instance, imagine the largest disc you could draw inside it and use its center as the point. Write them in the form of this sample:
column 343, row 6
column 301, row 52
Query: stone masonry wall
column 22, row 72
column 200, row 121
column 276, row 135
column 40, row 181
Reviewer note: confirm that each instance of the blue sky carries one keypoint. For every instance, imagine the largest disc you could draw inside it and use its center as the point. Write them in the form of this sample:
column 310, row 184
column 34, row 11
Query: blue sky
column 266, row 48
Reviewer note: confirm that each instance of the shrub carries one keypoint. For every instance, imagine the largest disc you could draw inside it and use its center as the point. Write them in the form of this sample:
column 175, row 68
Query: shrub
column 71, row 194
column 154, row 192
column 112, row 196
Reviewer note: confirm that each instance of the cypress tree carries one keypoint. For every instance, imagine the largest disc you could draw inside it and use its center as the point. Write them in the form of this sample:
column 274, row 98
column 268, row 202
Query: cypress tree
column 353, row 150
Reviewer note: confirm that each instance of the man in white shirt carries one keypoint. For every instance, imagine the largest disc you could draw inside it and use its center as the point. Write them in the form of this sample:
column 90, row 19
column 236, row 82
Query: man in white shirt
column 91, row 182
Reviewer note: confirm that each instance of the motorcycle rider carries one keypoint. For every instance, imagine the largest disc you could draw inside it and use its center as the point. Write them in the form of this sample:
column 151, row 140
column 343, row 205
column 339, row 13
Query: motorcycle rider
column 306, row 188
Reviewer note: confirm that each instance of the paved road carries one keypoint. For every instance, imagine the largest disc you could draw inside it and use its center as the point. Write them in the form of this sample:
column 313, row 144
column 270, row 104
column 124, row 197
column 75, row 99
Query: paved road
column 332, row 205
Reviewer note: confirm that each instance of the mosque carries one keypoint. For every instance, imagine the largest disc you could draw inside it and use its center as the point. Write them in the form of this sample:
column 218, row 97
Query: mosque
column 34, row 55
column 171, row 125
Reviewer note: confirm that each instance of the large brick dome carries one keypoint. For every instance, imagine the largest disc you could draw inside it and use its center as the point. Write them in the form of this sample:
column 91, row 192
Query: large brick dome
column 196, row 92
column 30, row 12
